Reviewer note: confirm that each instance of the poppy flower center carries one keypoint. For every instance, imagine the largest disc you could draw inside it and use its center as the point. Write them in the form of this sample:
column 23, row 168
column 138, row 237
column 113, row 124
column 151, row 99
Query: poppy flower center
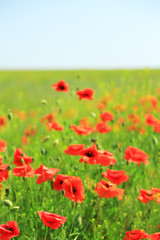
column 107, row 185
column 74, row 189
column 61, row 87
column 60, row 182
column 89, row 154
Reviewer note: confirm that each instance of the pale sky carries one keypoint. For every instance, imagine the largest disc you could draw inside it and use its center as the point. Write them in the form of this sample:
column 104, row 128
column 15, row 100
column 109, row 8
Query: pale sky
column 85, row 34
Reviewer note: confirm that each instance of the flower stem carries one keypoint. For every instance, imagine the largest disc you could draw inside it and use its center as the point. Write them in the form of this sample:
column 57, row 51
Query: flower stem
column 45, row 238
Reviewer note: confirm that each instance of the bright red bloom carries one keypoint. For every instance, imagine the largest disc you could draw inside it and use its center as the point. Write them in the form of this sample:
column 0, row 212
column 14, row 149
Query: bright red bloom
column 87, row 93
column 106, row 116
column 116, row 176
column 82, row 130
column 61, row 86
column 136, row 235
column 58, row 182
column 9, row 230
column 74, row 189
column 20, row 158
column 54, row 125
column 4, row 172
column 106, row 158
column 45, row 173
column 136, row 155
column 1, row 160
column 31, row 130
column 148, row 195
column 23, row 171
column 155, row 236
column 102, row 127
column 151, row 120
column 47, row 118
column 2, row 145
column 52, row 220
column 3, row 121
column 75, row 149
column 107, row 190
column 89, row 155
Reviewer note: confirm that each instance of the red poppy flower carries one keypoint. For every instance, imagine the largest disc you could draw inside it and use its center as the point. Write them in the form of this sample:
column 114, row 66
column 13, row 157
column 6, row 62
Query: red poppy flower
column 82, row 130
column 1, row 160
column 106, row 116
column 54, row 125
column 47, row 118
column 87, row 93
column 31, row 130
column 102, row 127
column 4, row 172
column 2, row 145
column 20, row 158
column 75, row 149
column 136, row 155
column 89, row 155
column 61, row 86
column 136, row 235
column 45, row 173
column 116, row 176
column 155, row 236
column 58, row 182
column 25, row 140
column 3, row 121
column 148, row 195
column 52, row 220
column 107, row 190
column 106, row 158
column 23, row 171
column 9, row 230
column 74, row 189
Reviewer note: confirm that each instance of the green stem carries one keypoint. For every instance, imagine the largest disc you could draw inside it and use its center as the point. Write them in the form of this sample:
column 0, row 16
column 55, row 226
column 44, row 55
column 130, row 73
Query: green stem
column 45, row 238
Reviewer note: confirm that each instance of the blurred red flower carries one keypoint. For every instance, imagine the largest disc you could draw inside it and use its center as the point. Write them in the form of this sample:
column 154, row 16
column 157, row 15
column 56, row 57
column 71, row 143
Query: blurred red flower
column 147, row 195
column 9, row 230
column 45, row 173
column 116, row 176
column 107, row 190
column 136, row 235
column 20, row 158
column 74, row 189
column 2, row 145
column 136, row 155
column 155, row 236
column 106, row 116
column 75, row 149
column 23, row 171
column 54, row 125
column 58, row 182
column 87, row 93
column 61, row 86
column 52, row 220
column 102, row 127
column 82, row 130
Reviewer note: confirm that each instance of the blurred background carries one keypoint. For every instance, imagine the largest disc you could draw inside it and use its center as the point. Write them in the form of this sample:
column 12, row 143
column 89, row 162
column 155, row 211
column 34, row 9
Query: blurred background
column 92, row 34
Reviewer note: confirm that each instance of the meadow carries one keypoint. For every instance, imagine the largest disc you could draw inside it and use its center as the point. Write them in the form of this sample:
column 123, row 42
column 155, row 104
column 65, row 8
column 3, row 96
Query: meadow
column 29, row 107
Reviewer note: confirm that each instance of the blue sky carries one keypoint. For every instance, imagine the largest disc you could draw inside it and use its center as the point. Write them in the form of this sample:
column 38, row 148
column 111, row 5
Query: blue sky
column 67, row 34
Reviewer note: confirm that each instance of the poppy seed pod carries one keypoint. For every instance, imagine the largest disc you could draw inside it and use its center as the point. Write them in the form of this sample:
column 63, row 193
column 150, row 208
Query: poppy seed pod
column 7, row 203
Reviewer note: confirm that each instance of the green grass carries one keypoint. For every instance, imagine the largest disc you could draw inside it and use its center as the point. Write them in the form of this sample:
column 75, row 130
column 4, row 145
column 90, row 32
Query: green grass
column 95, row 218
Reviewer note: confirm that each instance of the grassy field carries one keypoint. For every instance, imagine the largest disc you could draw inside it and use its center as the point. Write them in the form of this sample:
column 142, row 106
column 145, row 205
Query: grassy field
column 26, row 97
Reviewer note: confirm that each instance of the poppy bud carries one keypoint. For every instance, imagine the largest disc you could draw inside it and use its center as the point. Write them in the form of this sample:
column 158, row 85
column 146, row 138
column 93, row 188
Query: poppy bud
column 112, row 121
column 93, row 140
column 10, row 116
column 8, row 168
column 43, row 101
column 43, row 151
column 46, row 139
column 63, row 192
column 14, row 209
column 58, row 159
column 7, row 203
column 71, row 139
column 75, row 168
column 123, row 124
column 7, row 192
column 155, row 140
column 93, row 114
column 55, row 142
column 32, row 159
